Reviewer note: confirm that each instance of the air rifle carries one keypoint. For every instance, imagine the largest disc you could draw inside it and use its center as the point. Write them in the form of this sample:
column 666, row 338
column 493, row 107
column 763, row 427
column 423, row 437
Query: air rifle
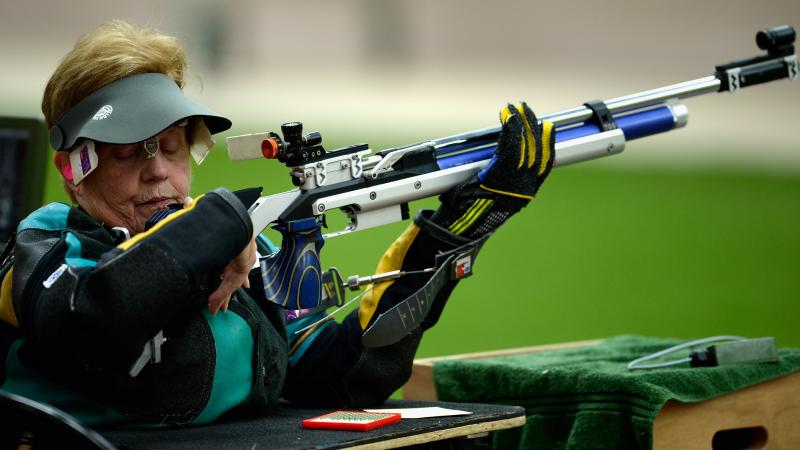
column 374, row 189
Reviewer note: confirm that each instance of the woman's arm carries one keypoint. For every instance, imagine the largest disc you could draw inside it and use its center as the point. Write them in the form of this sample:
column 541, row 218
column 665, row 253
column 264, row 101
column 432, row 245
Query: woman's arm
column 105, row 313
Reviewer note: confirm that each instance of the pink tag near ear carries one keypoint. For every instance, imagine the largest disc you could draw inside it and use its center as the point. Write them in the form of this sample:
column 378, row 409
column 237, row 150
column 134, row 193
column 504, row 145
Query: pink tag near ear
column 68, row 172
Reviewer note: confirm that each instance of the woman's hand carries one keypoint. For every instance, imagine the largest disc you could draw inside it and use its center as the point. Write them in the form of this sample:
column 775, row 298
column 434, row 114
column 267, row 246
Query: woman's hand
column 233, row 277
column 521, row 163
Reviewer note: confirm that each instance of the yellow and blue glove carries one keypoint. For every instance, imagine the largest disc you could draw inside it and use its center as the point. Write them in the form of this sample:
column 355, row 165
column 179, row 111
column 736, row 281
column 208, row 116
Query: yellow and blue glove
column 521, row 163
column 468, row 212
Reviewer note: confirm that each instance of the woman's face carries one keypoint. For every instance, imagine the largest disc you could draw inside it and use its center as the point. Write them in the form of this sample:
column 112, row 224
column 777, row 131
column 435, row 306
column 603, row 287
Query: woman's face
column 126, row 188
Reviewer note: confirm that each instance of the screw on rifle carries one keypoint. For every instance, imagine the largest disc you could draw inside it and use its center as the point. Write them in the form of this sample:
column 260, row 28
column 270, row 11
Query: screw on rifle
column 417, row 185
column 320, row 165
column 308, row 174
column 610, row 147
column 372, row 195
column 321, row 207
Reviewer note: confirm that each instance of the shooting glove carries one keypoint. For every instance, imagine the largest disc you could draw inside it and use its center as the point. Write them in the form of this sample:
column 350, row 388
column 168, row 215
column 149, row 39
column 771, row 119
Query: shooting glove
column 521, row 162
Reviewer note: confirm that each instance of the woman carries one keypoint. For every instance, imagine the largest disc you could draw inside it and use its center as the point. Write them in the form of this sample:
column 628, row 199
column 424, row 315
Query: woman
column 115, row 320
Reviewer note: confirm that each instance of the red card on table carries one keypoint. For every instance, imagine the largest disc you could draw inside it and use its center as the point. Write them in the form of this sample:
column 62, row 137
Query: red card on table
column 351, row 421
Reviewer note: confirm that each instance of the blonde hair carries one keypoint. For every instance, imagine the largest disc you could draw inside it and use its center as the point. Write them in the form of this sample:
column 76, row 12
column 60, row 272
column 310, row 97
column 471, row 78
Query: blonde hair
column 106, row 53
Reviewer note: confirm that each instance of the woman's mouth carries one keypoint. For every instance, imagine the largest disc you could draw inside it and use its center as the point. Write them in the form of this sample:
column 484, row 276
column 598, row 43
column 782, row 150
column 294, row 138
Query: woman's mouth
column 158, row 203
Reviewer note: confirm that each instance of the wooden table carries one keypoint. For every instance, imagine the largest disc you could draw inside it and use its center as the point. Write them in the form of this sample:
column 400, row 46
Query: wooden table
column 764, row 416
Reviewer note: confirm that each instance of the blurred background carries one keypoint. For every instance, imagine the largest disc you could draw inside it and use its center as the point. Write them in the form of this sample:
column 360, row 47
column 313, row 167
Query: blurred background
column 688, row 234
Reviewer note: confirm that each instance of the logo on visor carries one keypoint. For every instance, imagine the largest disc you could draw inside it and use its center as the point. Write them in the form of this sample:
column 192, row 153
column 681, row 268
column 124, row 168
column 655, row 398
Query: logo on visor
column 103, row 112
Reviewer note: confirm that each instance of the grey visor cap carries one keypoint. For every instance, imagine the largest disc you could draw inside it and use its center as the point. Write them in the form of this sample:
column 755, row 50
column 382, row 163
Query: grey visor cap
column 130, row 110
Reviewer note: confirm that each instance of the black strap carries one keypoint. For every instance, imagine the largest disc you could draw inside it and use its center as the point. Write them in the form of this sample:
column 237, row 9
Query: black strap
column 601, row 116
column 406, row 316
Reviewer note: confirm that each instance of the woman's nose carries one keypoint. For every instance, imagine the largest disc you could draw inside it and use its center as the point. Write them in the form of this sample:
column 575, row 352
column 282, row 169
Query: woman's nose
column 155, row 169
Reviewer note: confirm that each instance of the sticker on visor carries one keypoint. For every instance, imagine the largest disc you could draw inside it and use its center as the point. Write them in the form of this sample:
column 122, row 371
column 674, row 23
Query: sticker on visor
column 82, row 160
column 201, row 141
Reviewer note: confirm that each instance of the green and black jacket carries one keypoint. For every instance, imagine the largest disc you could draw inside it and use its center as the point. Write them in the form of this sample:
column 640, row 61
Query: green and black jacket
column 78, row 306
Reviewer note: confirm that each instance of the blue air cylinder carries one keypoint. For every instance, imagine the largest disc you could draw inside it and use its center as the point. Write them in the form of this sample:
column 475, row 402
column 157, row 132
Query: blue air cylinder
column 634, row 125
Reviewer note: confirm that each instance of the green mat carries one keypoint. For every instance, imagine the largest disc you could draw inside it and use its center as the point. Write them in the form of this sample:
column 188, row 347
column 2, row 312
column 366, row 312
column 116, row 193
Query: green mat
column 586, row 398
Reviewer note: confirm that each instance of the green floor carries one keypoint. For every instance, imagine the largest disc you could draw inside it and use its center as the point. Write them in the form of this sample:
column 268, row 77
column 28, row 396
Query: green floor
column 604, row 251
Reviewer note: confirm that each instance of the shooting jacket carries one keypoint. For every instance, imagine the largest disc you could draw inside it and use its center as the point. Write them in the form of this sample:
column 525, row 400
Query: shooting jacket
column 78, row 306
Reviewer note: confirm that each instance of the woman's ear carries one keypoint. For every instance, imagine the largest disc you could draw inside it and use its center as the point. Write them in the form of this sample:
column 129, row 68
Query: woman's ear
column 64, row 167
column 61, row 160
column 62, row 163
